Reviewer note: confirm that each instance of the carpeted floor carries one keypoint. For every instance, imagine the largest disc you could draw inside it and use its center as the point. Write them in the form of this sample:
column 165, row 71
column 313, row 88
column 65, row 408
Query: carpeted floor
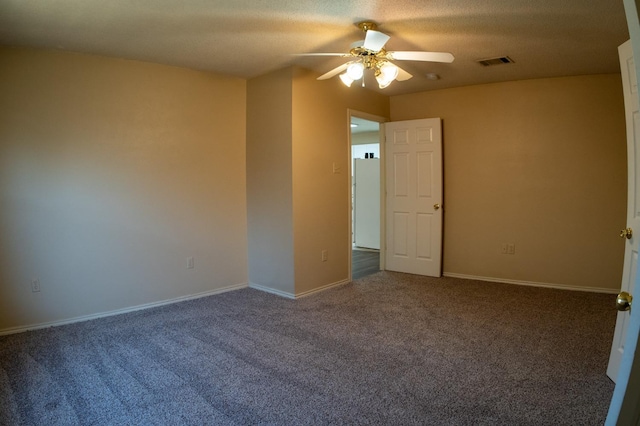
column 387, row 349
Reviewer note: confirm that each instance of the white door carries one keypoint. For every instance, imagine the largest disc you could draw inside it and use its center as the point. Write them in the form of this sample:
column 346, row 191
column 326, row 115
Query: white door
column 414, row 196
column 366, row 204
column 625, row 403
column 630, row 88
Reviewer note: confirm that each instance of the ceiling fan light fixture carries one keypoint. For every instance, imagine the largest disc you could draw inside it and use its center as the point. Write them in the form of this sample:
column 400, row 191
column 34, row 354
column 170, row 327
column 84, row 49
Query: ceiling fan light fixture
column 355, row 71
column 371, row 54
column 346, row 79
column 389, row 70
column 382, row 83
column 386, row 74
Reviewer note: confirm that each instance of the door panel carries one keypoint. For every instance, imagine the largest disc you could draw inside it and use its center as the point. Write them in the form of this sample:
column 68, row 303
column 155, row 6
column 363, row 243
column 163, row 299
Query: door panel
column 401, row 175
column 400, row 232
column 425, row 174
column 414, row 186
column 423, row 231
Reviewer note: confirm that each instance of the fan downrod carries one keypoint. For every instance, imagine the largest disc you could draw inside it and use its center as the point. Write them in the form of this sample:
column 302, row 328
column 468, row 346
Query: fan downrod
column 366, row 26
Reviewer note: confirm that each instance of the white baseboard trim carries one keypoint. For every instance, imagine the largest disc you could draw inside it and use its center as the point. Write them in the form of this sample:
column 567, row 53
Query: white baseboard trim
column 299, row 295
column 323, row 288
column 533, row 283
column 272, row 291
column 21, row 329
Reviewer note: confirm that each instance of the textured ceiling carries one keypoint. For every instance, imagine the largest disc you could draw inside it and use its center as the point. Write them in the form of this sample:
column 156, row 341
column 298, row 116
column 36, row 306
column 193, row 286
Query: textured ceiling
column 545, row 38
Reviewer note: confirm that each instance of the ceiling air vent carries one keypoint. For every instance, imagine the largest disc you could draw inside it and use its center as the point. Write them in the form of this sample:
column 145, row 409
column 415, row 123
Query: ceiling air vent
column 495, row 61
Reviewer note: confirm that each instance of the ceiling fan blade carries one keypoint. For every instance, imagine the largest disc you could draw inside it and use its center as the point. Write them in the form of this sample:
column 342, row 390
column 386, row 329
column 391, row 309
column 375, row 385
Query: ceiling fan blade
column 334, row 71
column 375, row 40
column 322, row 54
column 402, row 74
column 422, row 56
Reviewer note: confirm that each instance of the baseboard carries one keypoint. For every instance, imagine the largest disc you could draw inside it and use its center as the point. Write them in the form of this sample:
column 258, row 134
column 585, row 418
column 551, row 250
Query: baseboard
column 532, row 283
column 323, row 288
column 356, row 248
column 272, row 291
column 22, row 329
column 299, row 295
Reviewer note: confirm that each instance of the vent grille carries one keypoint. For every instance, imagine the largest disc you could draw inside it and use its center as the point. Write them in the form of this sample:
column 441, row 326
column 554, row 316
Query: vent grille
column 495, row 61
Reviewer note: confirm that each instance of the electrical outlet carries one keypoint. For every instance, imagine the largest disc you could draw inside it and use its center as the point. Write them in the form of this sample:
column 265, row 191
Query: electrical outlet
column 190, row 263
column 511, row 248
column 504, row 248
column 35, row 285
column 325, row 255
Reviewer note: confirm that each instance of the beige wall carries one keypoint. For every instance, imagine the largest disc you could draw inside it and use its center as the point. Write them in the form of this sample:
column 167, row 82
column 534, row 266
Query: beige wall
column 297, row 128
column 112, row 173
column 320, row 197
column 269, row 181
column 539, row 163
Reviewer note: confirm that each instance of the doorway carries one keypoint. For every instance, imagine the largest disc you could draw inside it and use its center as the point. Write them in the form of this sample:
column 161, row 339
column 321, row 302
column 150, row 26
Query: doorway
column 365, row 173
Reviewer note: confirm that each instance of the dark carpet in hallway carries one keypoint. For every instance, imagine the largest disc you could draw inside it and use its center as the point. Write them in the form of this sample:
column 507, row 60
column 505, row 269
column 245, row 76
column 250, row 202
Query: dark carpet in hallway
column 364, row 262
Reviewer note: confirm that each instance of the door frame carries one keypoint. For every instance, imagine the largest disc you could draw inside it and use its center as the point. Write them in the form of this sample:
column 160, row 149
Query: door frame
column 381, row 120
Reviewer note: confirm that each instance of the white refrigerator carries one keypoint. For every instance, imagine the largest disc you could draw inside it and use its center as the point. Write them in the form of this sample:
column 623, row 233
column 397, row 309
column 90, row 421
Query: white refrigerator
column 366, row 203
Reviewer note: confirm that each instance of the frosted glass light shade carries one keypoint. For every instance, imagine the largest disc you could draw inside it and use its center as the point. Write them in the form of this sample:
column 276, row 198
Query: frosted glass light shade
column 388, row 73
column 355, row 71
column 346, row 79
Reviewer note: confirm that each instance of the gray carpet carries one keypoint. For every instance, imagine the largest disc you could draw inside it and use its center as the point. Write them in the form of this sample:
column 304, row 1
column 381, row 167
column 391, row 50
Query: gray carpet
column 387, row 349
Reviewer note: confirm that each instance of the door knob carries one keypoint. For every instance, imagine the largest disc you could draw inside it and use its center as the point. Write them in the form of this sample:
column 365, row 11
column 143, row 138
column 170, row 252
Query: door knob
column 623, row 301
column 626, row 233
column 436, row 206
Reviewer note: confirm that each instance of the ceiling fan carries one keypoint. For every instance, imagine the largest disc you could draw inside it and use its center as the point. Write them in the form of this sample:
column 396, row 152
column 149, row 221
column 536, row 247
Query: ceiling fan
column 370, row 54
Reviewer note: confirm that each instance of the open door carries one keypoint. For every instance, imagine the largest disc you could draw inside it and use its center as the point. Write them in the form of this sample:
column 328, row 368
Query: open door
column 414, row 196
column 625, row 403
column 632, row 113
